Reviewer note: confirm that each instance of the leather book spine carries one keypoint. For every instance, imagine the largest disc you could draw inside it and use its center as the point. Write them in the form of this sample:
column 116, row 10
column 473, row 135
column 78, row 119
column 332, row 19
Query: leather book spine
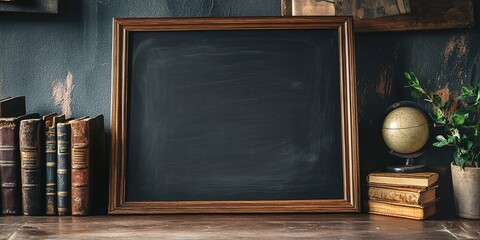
column 63, row 169
column 51, row 176
column 9, row 167
column 394, row 195
column 80, row 146
column 31, row 155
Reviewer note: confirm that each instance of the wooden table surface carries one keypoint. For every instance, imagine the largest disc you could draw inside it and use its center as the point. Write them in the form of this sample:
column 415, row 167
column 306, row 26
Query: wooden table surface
column 271, row 226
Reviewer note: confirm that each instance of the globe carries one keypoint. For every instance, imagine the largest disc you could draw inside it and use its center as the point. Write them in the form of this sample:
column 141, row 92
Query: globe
column 405, row 130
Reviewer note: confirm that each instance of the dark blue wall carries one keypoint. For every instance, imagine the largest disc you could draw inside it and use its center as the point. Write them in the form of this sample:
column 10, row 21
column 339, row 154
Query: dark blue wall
column 38, row 52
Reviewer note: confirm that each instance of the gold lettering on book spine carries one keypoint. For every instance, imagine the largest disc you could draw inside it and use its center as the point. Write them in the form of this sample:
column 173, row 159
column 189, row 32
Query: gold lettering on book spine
column 29, row 155
column 78, row 155
column 7, row 125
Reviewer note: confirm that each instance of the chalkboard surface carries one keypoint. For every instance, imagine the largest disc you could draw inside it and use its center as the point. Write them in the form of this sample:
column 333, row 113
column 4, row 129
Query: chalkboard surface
column 234, row 115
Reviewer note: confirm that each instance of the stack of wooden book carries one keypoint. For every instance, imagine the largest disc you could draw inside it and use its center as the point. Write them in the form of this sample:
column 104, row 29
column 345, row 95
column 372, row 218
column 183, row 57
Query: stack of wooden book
column 407, row 195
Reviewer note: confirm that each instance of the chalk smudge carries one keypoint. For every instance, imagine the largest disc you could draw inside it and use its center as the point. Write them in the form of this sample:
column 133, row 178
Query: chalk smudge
column 62, row 94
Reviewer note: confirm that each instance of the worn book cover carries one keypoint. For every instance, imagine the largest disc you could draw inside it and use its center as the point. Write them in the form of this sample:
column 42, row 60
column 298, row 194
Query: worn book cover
column 416, row 196
column 10, row 164
column 401, row 210
column 33, row 165
column 421, row 180
column 89, row 173
column 63, row 169
column 64, row 165
column 51, row 161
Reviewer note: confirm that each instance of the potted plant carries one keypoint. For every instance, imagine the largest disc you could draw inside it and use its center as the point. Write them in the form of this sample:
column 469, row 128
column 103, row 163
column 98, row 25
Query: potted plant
column 461, row 120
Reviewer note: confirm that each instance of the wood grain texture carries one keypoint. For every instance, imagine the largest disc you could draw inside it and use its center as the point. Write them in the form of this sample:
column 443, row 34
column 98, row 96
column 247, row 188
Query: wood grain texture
column 267, row 226
column 424, row 15
column 120, row 95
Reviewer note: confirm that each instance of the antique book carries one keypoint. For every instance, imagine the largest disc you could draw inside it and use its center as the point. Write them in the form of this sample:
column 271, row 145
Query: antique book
column 401, row 210
column 422, row 179
column 12, row 107
column 33, row 165
column 51, row 161
column 89, row 173
column 63, row 169
column 10, row 164
column 416, row 196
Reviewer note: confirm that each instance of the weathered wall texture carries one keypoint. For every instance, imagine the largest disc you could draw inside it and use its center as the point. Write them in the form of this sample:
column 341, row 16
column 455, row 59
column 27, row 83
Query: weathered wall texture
column 62, row 62
column 441, row 59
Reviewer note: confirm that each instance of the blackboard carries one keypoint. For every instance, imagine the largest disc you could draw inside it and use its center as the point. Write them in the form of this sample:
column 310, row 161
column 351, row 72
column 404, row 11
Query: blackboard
column 234, row 115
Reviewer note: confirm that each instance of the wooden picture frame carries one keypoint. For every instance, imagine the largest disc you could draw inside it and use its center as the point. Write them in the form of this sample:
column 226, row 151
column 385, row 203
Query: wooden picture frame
column 425, row 15
column 124, row 29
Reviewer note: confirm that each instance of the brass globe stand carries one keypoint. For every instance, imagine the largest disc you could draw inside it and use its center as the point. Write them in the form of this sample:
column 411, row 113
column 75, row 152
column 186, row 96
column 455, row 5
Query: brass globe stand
column 409, row 120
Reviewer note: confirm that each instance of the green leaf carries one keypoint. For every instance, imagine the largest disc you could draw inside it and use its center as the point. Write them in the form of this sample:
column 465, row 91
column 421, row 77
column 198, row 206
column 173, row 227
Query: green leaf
column 462, row 164
column 458, row 119
column 457, row 157
column 437, row 100
column 442, row 141
column 407, row 75
column 469, row 145
column 416, row 94
column 441, row 138
column 414, row 78
column 477, row 91
column 473, row 107
column 440, row 121
column 418, row 88
column 467, row 98
column 462, row 112
column 467, row 90
column 437, row 121
column 440, row 144
column 438, row 114
column 438, row 118
column 446, row 105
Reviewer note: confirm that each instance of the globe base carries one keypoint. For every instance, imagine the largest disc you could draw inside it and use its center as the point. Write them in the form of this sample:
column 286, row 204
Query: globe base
column 409, row 167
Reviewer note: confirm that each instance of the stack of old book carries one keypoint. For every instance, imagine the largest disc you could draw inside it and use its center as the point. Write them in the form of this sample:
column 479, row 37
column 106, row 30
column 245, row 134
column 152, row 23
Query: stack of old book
column 406, row 195
column 50, row 165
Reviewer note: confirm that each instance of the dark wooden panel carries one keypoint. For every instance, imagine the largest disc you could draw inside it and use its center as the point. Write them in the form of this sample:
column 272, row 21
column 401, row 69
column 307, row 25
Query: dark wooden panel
column 425, row 14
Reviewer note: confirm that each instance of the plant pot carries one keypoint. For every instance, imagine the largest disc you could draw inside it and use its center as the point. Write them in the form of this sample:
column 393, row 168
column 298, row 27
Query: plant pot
column 466, row 191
